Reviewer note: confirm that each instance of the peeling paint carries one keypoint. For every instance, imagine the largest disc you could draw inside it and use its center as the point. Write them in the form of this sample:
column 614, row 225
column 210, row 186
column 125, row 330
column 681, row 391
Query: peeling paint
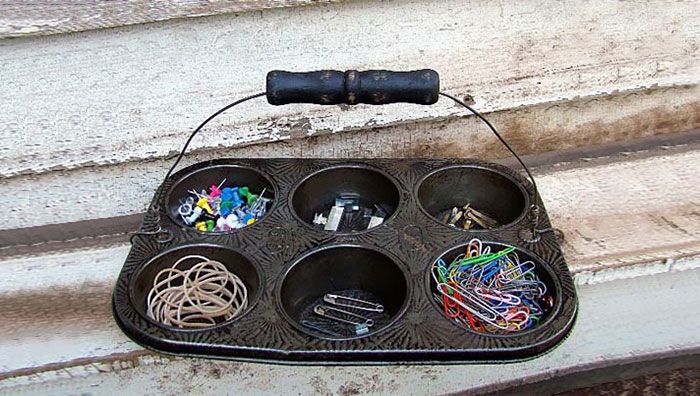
column 145, row 98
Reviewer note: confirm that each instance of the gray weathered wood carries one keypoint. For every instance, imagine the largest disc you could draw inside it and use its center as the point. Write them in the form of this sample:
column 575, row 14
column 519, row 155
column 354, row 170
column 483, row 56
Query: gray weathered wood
column 35, row 17
column 580, row 123
column 90, row 118
column 132, row 94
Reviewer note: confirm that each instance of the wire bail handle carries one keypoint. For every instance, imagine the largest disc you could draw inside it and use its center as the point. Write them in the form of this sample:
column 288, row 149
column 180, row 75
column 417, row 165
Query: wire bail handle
column 376, row 87
column 163, row 234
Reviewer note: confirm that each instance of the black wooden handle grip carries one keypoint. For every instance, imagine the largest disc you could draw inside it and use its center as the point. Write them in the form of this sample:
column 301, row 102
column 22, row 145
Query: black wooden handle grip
column 328, row 87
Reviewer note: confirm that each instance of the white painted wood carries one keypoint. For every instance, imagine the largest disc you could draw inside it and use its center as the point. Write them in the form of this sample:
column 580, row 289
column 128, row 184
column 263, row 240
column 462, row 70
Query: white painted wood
column 618, row 320
column 630, row 206
column 35, row 17
column 69, row 292
column 58, row 271
column 60, row 305
column 132, row 93
column 121, row 189
column 89, row 117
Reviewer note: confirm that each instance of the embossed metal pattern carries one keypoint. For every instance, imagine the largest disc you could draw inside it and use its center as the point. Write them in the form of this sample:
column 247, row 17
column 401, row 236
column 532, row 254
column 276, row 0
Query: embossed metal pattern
column 419, row 335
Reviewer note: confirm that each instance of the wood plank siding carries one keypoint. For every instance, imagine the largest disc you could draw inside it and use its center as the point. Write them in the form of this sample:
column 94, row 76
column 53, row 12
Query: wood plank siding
column 602, row 98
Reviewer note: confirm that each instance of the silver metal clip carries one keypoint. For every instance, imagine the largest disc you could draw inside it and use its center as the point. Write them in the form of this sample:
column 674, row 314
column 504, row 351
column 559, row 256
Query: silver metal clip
column 326, row 312
column 354, row 303
column 334, row 218
column 314, row 326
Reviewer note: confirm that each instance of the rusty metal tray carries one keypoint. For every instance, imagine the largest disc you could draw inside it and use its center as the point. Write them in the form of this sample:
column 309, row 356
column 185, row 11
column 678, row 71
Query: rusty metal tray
column 286, row 262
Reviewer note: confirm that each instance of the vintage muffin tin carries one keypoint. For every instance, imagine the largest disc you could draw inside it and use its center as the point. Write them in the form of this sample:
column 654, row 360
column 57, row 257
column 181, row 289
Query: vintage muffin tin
column 287, row 263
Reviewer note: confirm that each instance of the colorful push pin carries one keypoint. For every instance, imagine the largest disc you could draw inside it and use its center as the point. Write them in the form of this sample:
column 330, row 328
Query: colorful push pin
column 225, row 210
column 227, row 194
column 243, row 191
column 210, row 225
column 226, row 207
column 201, row 226
column 252, row 198
column 185, row 209
column 232, row 195
column 214, row 191
column 221, row 224
column 196, row 212
column 260, row 202
column 248, row 219
column 204, row 204
column 232, row 221
column 240, row 213
column 215, row 204
column 259, row 213
column 237, row 201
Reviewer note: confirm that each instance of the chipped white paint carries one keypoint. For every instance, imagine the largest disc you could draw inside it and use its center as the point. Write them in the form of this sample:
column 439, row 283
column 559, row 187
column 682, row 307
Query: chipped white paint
column 32, row 17
column 122, row 189
column 73, row 319
column 664, row 180
column 661, row 266
column 632, row 205
column 132, row 93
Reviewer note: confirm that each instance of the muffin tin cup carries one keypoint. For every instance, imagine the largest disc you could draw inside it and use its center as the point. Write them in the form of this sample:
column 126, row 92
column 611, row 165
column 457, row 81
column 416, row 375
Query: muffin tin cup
column 339, row 269
column 542, row 270
column 235, row 262
column 288, row 264
column 490, row 190
column 316, row 193
column 203, row 178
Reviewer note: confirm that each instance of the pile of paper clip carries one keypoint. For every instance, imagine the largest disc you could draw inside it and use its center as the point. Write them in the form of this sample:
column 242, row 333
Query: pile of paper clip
column 351, row 314
column 491, row 292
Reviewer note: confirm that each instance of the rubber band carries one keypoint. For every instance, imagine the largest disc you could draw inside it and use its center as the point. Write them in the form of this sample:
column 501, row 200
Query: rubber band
column 201, row 296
